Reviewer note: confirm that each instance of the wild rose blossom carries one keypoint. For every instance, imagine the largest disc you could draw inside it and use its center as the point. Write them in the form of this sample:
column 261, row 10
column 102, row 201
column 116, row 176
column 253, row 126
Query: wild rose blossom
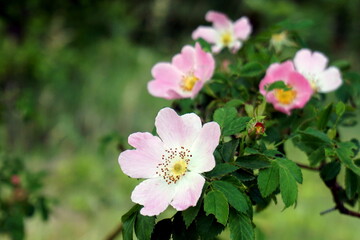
column 224, row 32
column 312, row 65
column 184, row 76
column 285, row 100
column 171, row 163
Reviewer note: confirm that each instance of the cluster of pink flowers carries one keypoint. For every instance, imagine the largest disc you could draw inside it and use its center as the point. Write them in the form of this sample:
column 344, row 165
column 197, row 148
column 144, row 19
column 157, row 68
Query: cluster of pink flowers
column 185, row 76
column 305, row 75
column 173, row 161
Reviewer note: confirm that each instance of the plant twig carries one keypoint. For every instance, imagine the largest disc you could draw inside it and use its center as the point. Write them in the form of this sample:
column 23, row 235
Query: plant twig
column 308, row 167
column 336, row 189
column 114, row 234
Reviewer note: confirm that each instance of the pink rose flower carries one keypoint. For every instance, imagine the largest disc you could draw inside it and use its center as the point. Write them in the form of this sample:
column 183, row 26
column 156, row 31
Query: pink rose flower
column 312, row 65
column 171, row 163
column 285, row 100
column 224, row 32
column 185, row 76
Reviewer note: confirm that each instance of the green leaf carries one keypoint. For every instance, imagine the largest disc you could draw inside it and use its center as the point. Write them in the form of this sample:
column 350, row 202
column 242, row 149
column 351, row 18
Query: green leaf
column 345, row 154
column 222, row 169
column 268, row 180
column 223, row 116
column 241, row 227
column 340, row 109
column 311, row 134
column 179, row 230
column 292, row 167
column 291, row 25
column 235, row 197
column 252, row 69
column 330, row 171
column 228, row 149
column 316, row 156
column 234, row 103
column 277, row 85
column 236, row 126
column 162, row 230
column 342, row 64
column 128, row 221
column 215, row 203
column 288, row 187
column 249, row 109
column 144, row 226
column 204, row 45
column 190, row 214
column 324, row 117
column 207, row 226
column 253, row 161
column 352, row 183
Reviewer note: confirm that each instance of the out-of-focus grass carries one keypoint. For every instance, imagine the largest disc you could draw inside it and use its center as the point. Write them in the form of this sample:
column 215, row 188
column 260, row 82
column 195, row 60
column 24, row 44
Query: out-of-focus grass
column 91, row 191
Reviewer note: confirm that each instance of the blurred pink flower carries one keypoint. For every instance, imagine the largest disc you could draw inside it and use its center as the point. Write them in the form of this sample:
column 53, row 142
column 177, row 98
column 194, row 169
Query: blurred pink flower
column 224, row 32
column 172, row 162
column 285, row 100
column 312, row 65
column 184, row 76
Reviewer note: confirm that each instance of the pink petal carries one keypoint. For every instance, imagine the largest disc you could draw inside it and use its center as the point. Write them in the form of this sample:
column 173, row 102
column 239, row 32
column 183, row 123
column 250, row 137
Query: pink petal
column 176, row 131
column 303, row 60
column 307, row 62
column 217, row 48
column 203, row 148
column 142, row 162
column 205, row 64
column 302, row 87
column 191, row 128
column 163, row 89
column 283, row 108
column 219, row 20
column 138, row 164
column 276, row 72
column 154, row 194
column 242, row 28
column 185, row 60
column 319, row 62
column 188, row 191
column 166, row 73
column 280, row 71
column 329, row 80
column 207, row 33
column 236, row 46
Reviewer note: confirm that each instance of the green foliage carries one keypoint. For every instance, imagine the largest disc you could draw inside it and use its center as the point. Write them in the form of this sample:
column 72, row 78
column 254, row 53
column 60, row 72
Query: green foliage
column 241, row 227
column 268, row 179
column 236, row 198
column 21, row 196
column 215, row 203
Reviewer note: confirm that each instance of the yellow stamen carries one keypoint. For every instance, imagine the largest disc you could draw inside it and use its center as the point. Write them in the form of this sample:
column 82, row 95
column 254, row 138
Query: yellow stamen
column 189, row 82
column 226, row 38
column 285, row 97
column 280, row 37
column 179, row 168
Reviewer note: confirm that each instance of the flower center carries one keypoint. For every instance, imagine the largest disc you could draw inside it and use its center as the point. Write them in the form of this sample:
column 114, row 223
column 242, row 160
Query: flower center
column 285, row 97
column 188, row 82
column 179, row 168
column 174, row 165
column 226, row 38
column 278, row 38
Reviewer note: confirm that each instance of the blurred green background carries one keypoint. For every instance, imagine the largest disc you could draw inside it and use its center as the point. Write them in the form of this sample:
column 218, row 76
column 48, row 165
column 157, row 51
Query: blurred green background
column 73, row 78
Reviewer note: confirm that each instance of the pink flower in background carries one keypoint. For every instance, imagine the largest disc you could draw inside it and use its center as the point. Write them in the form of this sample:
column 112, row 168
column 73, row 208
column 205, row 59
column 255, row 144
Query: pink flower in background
column 172, row 162
column 184, row 76
column 224, row 32
column 285, row 100
column 312, row 65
